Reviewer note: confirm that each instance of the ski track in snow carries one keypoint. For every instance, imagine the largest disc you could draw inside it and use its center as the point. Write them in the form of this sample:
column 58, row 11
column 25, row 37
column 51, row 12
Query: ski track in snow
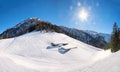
column 28, row 53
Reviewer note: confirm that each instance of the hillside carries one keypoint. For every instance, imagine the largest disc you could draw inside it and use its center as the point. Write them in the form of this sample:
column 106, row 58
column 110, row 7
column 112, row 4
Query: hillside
column 109, row 64
column 95, row 34
column 35, row 24
column 29, row 53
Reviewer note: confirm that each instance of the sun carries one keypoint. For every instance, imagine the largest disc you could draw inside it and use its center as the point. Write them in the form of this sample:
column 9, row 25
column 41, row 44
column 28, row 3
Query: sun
column 83, row 15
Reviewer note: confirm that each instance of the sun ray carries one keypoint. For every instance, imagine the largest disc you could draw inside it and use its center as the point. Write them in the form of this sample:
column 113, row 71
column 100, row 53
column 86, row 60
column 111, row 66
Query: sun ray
column 83, row 15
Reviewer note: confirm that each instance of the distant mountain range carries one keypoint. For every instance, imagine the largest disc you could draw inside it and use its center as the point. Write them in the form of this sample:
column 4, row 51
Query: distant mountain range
column 94, row 34
column 35, row 24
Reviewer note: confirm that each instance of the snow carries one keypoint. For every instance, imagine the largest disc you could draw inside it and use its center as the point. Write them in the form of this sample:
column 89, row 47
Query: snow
column 106, row 36
column 30, row 53
column 95, row 34
column 109, row 64
column 101, row 55
column 27, row 22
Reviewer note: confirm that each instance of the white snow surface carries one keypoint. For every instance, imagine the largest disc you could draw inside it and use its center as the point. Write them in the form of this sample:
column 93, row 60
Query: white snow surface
column 109, row 64
column 29, row 53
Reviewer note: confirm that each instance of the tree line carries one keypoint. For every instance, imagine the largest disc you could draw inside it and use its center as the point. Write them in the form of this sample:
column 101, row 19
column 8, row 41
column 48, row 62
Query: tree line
column 114, row 44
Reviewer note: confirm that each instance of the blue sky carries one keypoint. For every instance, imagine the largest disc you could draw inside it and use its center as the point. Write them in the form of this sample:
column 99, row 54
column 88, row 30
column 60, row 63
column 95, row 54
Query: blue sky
column 101, row 14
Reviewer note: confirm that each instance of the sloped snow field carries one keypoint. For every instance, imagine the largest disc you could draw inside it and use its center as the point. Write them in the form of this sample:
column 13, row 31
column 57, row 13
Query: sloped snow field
column 29, row 53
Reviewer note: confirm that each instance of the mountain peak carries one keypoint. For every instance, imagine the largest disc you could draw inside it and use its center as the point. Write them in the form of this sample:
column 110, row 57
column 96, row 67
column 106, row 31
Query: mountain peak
column 35, row 24
column 29, row 25
column 28, row 21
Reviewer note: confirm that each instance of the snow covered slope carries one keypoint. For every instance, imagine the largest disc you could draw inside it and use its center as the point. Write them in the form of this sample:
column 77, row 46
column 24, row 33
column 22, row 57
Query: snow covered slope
column 29, row 53
column 109, row 64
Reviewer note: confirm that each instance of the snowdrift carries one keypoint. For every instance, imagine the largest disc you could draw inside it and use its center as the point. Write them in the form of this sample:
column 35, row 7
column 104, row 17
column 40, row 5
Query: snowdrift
column 109, row 64
column 29, row 53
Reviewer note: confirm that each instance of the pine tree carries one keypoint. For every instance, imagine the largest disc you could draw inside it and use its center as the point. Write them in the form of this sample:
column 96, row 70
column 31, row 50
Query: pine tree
column 115, row 38
column 119, row 38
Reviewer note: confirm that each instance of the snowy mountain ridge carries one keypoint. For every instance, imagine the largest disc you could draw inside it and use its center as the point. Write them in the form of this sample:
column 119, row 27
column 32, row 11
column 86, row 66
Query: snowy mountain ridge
column 95, row 34
column 35, row 24
column 28, row 22
column 86, row 37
